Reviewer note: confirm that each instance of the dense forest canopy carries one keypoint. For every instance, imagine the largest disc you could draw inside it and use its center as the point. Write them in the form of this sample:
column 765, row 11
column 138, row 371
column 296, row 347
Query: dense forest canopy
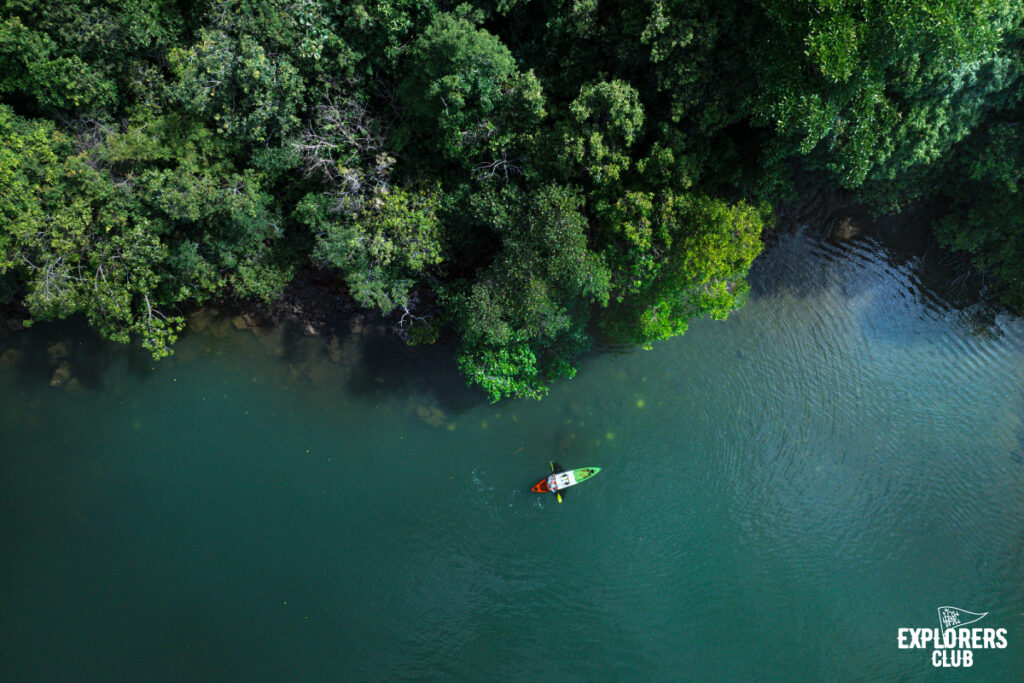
column 524, row 173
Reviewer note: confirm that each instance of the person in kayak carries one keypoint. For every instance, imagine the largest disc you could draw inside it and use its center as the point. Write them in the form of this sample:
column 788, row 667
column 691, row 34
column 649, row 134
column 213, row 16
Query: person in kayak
column 553, row 483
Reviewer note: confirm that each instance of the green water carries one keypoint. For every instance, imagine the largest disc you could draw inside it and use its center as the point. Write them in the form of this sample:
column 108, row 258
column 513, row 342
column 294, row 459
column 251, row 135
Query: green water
column 779, row 494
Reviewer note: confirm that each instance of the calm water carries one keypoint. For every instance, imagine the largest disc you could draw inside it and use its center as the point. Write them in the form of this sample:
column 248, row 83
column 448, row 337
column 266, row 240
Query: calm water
column 781, row 492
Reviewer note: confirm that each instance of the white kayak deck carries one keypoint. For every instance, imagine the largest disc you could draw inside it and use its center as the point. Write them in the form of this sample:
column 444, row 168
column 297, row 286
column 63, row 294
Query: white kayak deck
column 562, row 480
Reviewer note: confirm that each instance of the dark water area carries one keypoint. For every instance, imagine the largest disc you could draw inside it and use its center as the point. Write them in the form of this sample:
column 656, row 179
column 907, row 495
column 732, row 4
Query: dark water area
column 781, row 493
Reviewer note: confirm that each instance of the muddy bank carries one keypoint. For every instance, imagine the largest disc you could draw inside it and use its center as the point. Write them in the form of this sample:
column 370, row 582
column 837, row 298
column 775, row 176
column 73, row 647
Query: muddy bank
column 318, row 303
column 313, row 302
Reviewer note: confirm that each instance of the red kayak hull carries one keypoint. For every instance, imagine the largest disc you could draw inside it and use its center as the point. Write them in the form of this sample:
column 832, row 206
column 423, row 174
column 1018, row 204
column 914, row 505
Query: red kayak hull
column 541, row 486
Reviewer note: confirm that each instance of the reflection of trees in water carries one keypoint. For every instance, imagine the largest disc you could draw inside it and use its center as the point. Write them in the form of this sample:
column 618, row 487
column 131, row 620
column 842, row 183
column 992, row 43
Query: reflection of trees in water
column 66, row 354
column 361, row 354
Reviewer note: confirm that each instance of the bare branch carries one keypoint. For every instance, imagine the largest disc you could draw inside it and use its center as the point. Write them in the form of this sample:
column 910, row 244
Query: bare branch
column 343, row 145
column 503, row 167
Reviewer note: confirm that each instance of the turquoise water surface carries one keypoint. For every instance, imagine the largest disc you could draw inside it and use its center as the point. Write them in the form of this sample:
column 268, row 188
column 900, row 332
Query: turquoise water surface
column 779, row 494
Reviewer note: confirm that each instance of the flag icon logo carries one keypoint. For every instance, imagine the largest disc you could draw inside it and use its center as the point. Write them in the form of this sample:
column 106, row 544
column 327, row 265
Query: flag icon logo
column 954, row 617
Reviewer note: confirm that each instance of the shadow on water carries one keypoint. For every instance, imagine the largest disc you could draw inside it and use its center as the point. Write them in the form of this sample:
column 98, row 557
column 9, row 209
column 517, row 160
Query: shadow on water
column 847, row 265
column 68, row 354
column 389, row 366
column 360, row 353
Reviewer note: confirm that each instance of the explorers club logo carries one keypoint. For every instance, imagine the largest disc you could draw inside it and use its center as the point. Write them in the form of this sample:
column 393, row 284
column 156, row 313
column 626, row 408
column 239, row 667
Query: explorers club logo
column 953, row 643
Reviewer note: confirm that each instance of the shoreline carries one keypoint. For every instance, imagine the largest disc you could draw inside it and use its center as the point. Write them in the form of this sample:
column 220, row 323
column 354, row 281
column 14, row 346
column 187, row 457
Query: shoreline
column 316, row 303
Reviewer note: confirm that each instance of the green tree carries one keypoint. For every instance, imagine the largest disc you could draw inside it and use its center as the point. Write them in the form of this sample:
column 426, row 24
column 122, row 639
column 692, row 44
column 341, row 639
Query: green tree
column 75, row 240
column 383, row 249
column 464, row 96
column 876, row 90
column 32, row 63
column 237, row 86
column 991, row 230
column 680, row 257
column 520, row 164
column 603, row 123
column 523, row 319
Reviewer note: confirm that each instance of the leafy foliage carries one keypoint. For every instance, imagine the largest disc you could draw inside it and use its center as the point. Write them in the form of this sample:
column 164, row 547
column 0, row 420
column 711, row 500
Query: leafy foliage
column 881, row 88
column 237, row 87
column 533, row 170
column 603, row 123
column 522, row 320
column 689, row 260
column 464, row 95
column 381, row 249
column 992, row 232
column 68, row 233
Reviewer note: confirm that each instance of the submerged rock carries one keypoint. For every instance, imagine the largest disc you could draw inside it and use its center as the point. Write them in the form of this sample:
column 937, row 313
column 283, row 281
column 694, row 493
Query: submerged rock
column 57, row 351
column 9, row 357
column 845, row 230
column 272, row 338
column 211, row 320
column 317, row 373
column 61, row 375
column 334, row 349
column 220, row 327
column 199, row 320
column 432, row 414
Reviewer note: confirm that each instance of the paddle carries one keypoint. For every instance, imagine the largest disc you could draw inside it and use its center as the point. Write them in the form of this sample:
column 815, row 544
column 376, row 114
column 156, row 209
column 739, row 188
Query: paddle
column 558, row 494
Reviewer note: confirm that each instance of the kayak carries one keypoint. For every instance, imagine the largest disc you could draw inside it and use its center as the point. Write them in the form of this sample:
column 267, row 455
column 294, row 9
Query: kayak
column 563, row 480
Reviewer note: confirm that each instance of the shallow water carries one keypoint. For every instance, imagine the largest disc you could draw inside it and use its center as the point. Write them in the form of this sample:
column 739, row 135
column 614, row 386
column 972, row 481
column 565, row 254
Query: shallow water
column 780, row 493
